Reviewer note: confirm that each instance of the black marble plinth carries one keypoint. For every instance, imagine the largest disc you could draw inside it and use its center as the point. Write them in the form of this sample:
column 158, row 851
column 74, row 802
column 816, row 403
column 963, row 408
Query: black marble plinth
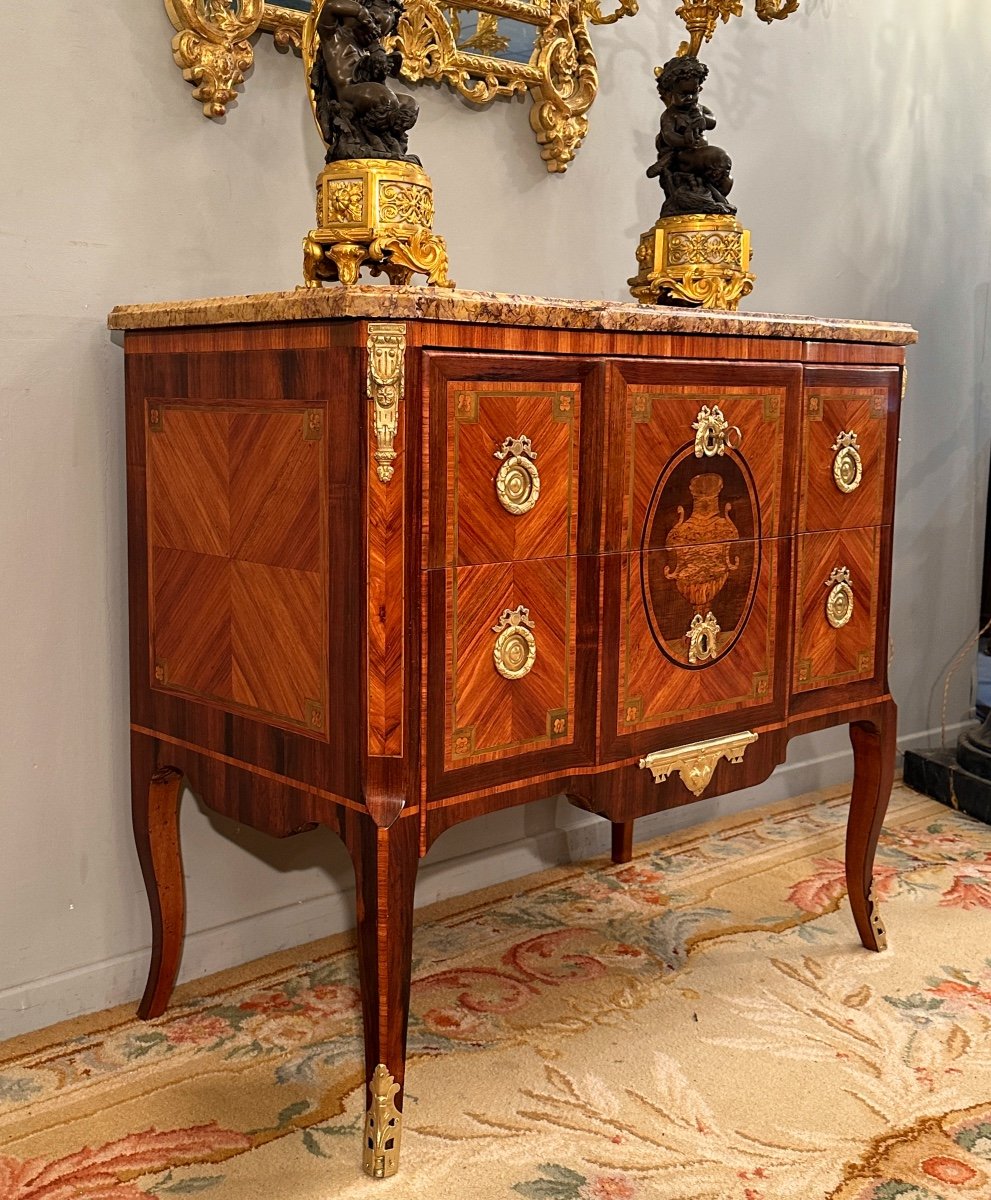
column 960, row 778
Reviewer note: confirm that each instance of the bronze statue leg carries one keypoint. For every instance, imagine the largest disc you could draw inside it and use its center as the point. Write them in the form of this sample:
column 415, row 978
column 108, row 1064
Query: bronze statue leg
column 155, row 795
column 622, row 841
column 385, row 862
column 873, row 773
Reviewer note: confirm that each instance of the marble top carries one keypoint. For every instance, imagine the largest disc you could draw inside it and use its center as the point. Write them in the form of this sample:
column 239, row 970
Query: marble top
column 447, row 304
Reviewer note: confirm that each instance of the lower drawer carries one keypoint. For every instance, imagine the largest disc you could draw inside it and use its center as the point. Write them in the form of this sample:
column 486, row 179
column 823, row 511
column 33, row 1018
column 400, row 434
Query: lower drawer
column 697, row 635
column 837, row 607
column 502, row 662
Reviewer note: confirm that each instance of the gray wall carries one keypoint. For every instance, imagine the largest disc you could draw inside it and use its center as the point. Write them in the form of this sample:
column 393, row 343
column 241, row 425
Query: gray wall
column 864, row 171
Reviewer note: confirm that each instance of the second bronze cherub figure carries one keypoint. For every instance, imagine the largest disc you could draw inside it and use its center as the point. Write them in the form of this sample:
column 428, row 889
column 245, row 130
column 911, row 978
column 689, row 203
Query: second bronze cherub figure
column 695, row 176
column 696, row 252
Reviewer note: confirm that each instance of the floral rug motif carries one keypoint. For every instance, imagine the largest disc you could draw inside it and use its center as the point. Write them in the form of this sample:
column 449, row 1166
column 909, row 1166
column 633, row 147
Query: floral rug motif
column 701, row 1024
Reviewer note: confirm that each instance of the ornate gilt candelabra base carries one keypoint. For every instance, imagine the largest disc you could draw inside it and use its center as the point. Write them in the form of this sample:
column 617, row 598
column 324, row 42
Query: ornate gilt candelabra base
column 377, row 213
column 694, row 260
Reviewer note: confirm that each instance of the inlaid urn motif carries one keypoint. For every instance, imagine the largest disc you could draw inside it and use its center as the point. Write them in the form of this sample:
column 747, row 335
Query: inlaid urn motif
column 701, row 544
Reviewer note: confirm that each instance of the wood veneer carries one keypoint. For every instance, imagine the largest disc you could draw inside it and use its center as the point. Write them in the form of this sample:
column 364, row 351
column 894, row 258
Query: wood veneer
column 313, row 644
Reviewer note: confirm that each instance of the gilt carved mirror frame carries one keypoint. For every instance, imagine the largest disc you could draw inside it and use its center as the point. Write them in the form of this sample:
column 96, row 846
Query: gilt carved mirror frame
column 484, row 50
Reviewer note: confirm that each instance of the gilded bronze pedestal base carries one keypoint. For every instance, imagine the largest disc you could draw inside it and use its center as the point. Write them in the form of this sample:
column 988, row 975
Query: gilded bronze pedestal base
column 377, row 213
column 694, row 260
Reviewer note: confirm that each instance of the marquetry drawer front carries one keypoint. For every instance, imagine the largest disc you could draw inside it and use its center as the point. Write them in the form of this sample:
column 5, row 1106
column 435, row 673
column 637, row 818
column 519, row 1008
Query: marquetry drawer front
column 697, row 631
column 509, row 645
column 837, row 607
column 844, row 436
column 238, row 561
column 512, row 471
column 709, row 459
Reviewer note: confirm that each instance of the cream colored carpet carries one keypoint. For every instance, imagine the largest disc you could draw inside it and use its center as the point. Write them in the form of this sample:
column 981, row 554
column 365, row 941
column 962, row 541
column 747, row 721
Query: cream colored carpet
column 700, row 1025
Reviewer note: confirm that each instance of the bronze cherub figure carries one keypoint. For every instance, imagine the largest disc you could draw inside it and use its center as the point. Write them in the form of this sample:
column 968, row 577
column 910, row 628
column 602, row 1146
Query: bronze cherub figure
column 375, row 205
column 695, row 176
column 358, row 114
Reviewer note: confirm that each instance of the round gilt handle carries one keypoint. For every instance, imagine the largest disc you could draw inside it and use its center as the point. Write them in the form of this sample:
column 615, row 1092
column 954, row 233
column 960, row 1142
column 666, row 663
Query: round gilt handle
column 517, row 482
column 714, row 435
column 515, row 649
column 839, row 601
column 848, row 466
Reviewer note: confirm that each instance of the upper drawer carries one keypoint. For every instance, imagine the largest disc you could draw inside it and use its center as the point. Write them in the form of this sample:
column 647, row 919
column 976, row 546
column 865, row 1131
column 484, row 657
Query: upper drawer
column 700, row 446
column 503, row 472
column 849, row 438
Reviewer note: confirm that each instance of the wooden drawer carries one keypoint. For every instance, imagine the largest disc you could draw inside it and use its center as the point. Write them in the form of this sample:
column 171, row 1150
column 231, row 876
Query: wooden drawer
column 849, row 434
column 697, row 633
column 672, row 424
column 504, row 462
column 506, row 642
column 836, row 613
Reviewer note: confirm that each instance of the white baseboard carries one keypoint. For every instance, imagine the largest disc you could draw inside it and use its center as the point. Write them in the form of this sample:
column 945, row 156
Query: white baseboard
column 572, row 836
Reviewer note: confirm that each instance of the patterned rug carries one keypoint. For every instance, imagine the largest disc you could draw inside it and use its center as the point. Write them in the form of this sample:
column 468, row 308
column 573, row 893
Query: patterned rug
column 699, row 1025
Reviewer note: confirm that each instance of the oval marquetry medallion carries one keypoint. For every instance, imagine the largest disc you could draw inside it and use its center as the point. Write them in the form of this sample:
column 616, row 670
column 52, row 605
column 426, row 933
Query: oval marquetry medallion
column 700, row 555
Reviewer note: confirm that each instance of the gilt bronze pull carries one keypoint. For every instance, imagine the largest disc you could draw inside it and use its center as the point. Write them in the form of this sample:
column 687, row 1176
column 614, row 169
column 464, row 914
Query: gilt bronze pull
column 848, row 466
column 515, row 649
column 714, row 435
column 839, row 602
column 517, row 481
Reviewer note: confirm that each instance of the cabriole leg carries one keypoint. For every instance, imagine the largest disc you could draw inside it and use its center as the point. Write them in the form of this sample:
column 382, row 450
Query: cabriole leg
column 155, row 796
column 385, row 862
column 873, row 774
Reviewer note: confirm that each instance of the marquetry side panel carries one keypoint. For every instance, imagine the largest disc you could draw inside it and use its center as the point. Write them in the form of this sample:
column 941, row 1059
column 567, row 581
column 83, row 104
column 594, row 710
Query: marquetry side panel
column 654, row 426
column 238, row 559
column 844, row 459
column 666, row 675
column 824, row 654
column 518, row 440
column 487, row 715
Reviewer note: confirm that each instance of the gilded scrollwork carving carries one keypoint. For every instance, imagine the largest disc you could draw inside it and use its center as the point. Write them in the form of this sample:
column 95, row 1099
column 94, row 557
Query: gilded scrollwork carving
column 436, row 44
column 285, row 25
column 775, row 10
column 702, row 16
column 625, row 8
column 212, row 46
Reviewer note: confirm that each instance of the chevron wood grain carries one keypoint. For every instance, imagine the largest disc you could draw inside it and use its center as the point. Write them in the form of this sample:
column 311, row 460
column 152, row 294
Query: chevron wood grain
column 237, row 547
column 488, row 716
column 825, row 656
column 829, row 412
column 482, row 415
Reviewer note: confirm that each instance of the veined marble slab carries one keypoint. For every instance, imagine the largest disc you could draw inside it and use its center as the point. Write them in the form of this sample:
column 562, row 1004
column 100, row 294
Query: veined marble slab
column 443, row 304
